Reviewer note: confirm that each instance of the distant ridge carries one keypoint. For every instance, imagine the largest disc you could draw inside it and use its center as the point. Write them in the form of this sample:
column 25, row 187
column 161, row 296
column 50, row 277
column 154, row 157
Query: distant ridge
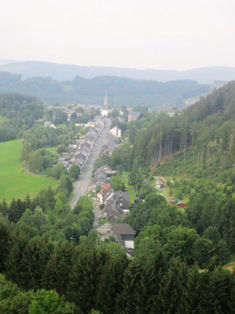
column 64, row 72
column 121, row 91
column 6, row 61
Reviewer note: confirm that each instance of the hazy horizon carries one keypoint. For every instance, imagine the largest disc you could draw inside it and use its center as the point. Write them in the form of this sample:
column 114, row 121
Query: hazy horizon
column 112, row 66
column 129, row 34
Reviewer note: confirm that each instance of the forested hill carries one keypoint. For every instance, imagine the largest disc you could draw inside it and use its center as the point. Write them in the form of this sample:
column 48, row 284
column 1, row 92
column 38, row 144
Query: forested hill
column 18, row 113
column 200, row 140
column 121, row 91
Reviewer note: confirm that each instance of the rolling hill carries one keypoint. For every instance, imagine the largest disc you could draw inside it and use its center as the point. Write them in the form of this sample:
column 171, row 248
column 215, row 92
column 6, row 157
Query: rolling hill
column 64, row 72
column 121, row 91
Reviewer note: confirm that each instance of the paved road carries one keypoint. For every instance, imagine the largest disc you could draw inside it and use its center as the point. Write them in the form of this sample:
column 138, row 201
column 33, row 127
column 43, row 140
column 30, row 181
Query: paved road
column 80, row 187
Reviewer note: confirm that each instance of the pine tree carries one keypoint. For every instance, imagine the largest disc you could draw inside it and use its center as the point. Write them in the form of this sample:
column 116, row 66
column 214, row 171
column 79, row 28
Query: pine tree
column 111, row 278
column 84, row 278
column 126, row 303
column 59, row 267
column 171, row 288
column 15, row 268
column 4, row 245
column 34, row 260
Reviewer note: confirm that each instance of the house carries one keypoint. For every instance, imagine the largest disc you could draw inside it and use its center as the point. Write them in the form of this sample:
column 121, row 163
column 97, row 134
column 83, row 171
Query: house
column 181, row 204
column 116, row 132
column 91, row 123
column 116, row 204
column 101, row 194
column 125, row 235
column 101, row 176
column 50, row 125
column 105, row 231
column 123, row 202
column 104, row 171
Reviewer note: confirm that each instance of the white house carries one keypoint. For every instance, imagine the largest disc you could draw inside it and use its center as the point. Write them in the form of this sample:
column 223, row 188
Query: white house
column 116, row 132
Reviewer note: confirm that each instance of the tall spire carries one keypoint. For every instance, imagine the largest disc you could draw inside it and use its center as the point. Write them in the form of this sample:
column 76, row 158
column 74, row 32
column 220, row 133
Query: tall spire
column 106, row 102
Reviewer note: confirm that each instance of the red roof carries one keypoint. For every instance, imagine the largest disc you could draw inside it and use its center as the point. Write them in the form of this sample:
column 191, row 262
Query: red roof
column 181, row 204
column 105, row 189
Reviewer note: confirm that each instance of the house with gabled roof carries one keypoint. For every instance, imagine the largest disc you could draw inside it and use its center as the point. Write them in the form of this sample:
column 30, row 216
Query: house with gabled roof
column 101, row 194
column 125, row 235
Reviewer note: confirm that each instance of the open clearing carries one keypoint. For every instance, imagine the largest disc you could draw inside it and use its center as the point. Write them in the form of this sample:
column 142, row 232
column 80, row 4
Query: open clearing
column 14, row 181
column 2, row 119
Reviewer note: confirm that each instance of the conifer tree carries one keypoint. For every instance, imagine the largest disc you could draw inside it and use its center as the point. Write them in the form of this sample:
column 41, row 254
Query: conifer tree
column 4, row 245
column 59, row 267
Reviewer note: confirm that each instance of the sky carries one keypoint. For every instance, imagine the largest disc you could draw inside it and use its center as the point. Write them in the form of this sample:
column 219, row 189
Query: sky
column 166, row 34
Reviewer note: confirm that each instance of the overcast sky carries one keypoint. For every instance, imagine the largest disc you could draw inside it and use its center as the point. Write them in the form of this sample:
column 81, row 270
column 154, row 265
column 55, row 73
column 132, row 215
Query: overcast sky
column 166, row 34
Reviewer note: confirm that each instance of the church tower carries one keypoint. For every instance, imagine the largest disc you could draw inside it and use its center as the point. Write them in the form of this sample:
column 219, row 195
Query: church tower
column 106, row 102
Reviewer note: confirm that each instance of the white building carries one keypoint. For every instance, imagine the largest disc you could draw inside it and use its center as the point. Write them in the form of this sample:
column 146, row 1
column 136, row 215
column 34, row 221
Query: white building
column 48, row 124
column 116, row 132
column 104, row 112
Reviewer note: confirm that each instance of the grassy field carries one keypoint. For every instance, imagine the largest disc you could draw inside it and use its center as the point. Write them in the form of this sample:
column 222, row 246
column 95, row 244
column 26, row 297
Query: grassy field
column 2, row 119
column 14, row 181
column 52, row 149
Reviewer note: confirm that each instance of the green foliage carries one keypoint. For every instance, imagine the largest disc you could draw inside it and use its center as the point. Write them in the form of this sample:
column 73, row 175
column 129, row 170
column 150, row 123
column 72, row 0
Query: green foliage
column 84, row 204
column 20, row 113
column 45, row 302
column 65, row 185
column 117, row 183
column 180, row 243
column 74, row 172
column 153, row 210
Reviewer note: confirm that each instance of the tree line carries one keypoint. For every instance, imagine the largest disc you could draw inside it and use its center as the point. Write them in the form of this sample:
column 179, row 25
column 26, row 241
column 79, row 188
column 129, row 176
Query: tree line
column 93, row 275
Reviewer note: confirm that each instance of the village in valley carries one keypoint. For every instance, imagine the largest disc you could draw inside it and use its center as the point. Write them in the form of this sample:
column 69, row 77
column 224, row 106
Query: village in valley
column 110, row 206
column 101, row 137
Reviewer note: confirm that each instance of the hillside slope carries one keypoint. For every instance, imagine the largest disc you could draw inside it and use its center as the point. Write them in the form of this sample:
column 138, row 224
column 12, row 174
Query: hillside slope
column 199, row 141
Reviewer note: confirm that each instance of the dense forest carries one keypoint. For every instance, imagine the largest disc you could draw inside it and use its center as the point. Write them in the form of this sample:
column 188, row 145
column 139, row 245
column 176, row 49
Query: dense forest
column 201, row 139
column 52, row 262
column 121, row 91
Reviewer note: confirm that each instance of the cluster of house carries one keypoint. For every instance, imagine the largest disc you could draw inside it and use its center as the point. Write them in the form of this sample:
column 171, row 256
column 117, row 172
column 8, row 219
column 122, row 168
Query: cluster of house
column 101, row 177
column 113, row 205
column 111, row 143
column 160, row 184
column 79, row 152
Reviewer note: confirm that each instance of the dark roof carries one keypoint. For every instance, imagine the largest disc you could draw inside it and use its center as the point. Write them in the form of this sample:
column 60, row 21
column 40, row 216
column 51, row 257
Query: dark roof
column 124, row 195
column 123, row 229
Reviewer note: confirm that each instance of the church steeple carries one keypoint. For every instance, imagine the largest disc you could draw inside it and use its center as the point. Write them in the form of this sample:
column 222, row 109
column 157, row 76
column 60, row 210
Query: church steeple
column 106, row 102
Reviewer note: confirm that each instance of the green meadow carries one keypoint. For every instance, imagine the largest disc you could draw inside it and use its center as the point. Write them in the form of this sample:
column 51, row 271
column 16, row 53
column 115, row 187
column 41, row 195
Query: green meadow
column 2, row 119
column 14, row 181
